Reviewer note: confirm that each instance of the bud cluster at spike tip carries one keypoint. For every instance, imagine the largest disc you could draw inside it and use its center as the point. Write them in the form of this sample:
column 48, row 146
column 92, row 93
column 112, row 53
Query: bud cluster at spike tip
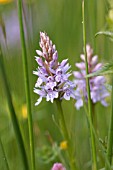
column 53, row 77
column 58, row 166
column 98, row 90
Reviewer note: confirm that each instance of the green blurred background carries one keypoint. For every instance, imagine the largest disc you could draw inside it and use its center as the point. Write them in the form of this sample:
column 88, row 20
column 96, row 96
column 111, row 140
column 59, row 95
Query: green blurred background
column 62, row 20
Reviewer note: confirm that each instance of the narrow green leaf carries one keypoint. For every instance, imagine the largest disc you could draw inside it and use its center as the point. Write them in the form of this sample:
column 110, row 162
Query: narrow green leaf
column 27, row 84
column 104, row 168
column 90, row 113
column 2, row 25
column 3, row 163
column 106, row 33
column 110, row 135
column 106, row 69
column 13, row 114
column 98, row 141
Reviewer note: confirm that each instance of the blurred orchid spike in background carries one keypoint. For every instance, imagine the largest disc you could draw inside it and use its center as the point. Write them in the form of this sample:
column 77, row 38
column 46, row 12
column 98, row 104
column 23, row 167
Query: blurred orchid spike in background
column 52, row 82
column 97, row 87
column 58, row 166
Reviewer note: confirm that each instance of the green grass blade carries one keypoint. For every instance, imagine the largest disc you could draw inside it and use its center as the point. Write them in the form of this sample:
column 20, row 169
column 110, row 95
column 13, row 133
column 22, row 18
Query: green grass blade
column 106, row 69
column 110, row 135
column 13, row 114
column 98, row 142
column 4, row 155
column 106, row 33
column 93, row 145
column 27, row 86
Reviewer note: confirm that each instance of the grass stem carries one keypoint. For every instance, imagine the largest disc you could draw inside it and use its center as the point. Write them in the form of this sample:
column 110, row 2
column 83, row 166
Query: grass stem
column 27, row 86
column 65, row 134
column 110, row 135
column 93, row 146
column 101, row 147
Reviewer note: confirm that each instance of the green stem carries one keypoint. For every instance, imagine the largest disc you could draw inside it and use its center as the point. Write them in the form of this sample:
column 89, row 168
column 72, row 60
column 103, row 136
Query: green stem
column 65, row 134
column 27, row 88
column 97, row 139
column 13, row 115
column 110, row 135
column 4, row 154
column 94, row 117
column 93, row 146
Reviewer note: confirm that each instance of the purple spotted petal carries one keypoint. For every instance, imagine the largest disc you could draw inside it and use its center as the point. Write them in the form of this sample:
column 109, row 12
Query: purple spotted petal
column 40, row 53
column 79, row 104
column 77, row 74
column 39, row 60
column 80, row 65
column 38, row 101
column 51, row 95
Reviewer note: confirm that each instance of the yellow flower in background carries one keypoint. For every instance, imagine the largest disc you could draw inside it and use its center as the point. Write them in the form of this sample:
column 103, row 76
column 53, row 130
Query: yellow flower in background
column 5, row 1
column 63, row 145
column 111, row 14
column 24, row 111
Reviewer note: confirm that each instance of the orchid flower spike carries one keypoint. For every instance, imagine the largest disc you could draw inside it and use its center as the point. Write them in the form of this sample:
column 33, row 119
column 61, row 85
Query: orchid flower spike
column 52, row 77
column 97, row 84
